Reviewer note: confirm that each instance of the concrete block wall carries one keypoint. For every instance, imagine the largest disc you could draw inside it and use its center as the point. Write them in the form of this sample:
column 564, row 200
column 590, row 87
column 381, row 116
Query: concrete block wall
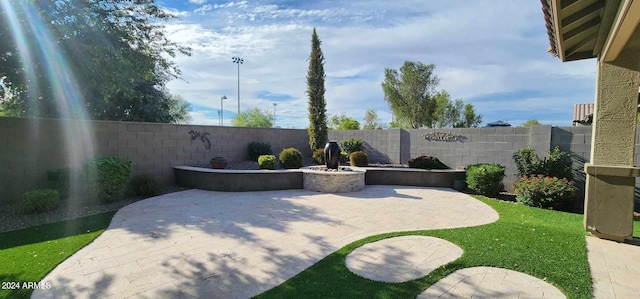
column 475, row 145
column 382, row 146
column 472, row 146
column 30, row 147
column 577, row 141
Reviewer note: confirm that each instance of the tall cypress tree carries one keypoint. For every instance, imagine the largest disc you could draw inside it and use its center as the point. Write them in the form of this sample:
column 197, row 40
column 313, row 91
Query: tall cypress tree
column 315, row 90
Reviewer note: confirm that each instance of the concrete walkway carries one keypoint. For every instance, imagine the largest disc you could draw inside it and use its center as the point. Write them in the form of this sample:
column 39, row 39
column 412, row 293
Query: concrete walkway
column 205, row 244
column 615, row 268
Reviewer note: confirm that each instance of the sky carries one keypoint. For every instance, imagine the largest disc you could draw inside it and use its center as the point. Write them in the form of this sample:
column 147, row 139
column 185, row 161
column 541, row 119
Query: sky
column 490, row 53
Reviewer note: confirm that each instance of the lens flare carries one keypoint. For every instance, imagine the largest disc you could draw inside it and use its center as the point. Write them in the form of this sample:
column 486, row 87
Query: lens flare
column 42, row 48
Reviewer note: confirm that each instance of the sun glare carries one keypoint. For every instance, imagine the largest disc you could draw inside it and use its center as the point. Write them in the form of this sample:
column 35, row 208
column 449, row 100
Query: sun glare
column 35, row 44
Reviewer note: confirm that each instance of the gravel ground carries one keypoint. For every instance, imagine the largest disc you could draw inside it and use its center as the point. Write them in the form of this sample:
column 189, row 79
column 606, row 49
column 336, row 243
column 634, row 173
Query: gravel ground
column 11, row 219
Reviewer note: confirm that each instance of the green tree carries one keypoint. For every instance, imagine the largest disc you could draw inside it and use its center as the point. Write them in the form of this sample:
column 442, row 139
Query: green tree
column 114, row 54
column 253, row 118
column 471, row 119
column 180, row 109
column 343, row 122
column 455, row 114
column 531, row 122
column 371, row 120
column 448, row 114
column 318, row 132
column 411, row 93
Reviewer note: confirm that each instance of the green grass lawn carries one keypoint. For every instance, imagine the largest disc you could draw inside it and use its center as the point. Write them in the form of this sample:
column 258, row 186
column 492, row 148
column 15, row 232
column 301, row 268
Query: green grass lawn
column 546, row 244
column 27, row 255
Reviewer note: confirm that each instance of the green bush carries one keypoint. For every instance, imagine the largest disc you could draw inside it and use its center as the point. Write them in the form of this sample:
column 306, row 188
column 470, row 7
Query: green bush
column 38, row 201
column 256, row 149
column 267, row 162
column 318, row 156
column 485, row 179
column 290, row 158
column 359, row 159
column 60, row 180
column 427, row 162
column 529, row 164
column 344, row 157
column 144, row 185
column 107, row 177
column 351, row 145
column 559, row 164
column 545, row 192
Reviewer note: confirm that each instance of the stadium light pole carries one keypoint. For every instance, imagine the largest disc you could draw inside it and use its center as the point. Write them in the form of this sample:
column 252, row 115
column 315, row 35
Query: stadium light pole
column 222, row 111
column 274, row 114
column 239, row 61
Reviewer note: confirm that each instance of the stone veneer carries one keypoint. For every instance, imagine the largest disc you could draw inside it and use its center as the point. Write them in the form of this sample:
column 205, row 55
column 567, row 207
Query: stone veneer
column 319, row 179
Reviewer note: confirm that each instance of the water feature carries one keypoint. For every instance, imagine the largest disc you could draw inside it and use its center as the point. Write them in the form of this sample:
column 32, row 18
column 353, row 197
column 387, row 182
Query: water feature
column 328, row 180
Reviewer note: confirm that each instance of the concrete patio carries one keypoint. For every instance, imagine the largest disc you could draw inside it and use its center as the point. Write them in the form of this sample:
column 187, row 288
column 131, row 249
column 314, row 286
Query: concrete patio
column 207, row 244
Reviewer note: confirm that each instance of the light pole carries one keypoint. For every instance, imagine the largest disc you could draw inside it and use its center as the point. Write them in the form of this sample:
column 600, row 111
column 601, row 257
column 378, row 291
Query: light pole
column 219, row 118
column 274, row 114
column 239, row 61
column 222, row 111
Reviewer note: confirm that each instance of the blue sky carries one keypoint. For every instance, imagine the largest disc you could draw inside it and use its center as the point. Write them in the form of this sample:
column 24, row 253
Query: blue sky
column 492, row 54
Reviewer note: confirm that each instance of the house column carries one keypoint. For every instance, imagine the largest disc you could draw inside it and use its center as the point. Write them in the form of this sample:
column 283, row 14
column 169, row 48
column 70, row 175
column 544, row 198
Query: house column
column 610, row 174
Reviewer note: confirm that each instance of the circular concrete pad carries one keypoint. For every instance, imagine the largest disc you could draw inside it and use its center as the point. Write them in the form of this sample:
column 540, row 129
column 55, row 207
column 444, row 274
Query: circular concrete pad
column 401, row 259
column 488, row 282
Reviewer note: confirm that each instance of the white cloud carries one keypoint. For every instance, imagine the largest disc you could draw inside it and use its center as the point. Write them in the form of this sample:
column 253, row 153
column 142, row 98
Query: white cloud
column 203, row 9
column 240, row 4
column 198, row 2
column 481, row 49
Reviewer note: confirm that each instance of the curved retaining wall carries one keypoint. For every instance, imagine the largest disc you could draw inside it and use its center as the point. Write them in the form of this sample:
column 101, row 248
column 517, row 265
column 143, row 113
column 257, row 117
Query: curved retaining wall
column 414, row 177
column 237, row 180
column 261, row 180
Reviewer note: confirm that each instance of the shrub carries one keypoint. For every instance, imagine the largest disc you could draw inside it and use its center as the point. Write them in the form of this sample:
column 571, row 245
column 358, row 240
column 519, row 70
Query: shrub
column 351, row 145
column 256, row 149
column 38, row 201
column 290, row 158
column 60, row 180
column 344, row 157
column 426, row 162
column 107, row 177
column 318, row 156
column 145, row 186
column 529, row 164
column 359, row 158
column 267, row 162
column 559, row 164
column 545, row 192
column 485, row 179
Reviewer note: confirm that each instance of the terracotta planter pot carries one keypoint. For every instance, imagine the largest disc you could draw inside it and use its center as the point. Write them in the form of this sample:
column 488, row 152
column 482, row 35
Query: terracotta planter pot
column 218, row 162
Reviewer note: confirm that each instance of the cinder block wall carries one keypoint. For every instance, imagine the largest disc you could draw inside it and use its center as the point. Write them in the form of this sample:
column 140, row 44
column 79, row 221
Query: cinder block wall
column 382, row 146
column 471, row 145
column 30, row 147
column 474, row 145
column 577, row 141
